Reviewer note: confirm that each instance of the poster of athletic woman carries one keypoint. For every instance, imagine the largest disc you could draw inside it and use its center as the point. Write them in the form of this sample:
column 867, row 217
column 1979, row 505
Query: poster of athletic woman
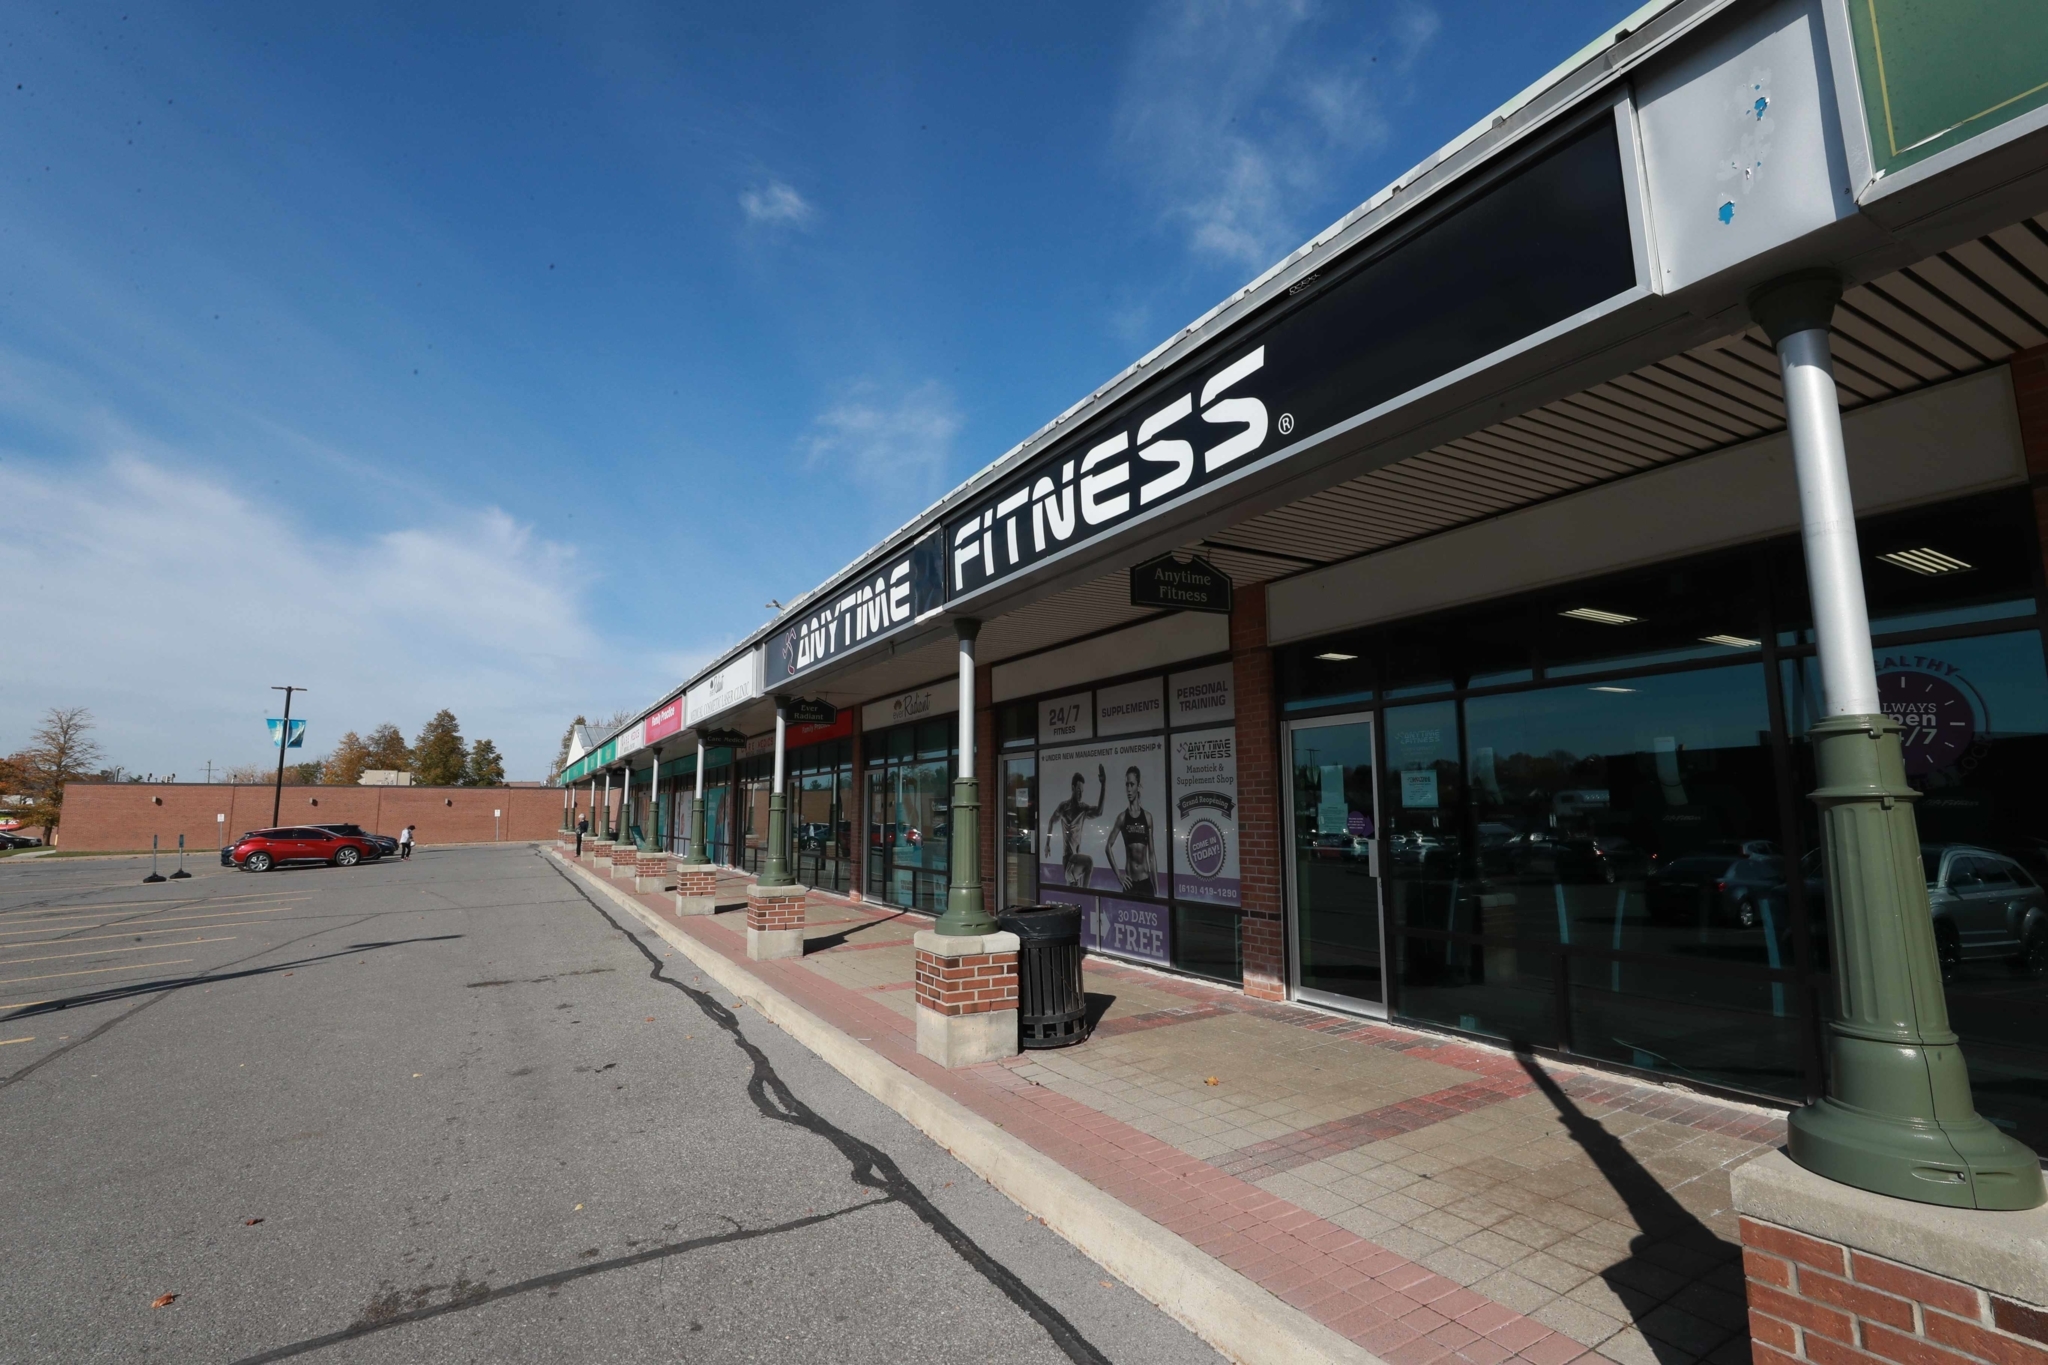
column 1105, row 824
column 1205, row 815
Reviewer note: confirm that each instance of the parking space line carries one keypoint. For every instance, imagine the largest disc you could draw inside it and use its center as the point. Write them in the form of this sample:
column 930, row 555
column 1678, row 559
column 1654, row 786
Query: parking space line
column 90, row 971
column 177, row 903
column 4, row 1042
column 137, row 933
column 109, row 952
column 145, row 919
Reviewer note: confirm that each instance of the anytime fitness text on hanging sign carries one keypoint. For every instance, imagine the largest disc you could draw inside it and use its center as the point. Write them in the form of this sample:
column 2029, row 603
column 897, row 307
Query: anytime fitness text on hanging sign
column 1171, row 584
column 881, row 600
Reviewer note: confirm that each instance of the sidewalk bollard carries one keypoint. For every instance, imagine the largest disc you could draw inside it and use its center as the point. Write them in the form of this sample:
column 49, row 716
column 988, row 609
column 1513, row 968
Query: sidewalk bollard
column 181, row 874
column 154, row 875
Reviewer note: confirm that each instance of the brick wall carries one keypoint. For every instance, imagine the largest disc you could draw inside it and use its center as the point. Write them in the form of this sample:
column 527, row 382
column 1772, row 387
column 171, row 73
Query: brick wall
column 1258, row 798
column 1821, row 1302
column 978, row 983
column 2030, row 397
column 111, row 817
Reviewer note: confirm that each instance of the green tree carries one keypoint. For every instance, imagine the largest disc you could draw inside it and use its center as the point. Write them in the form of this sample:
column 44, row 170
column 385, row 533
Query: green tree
column 486, row 767
column 387, row 750
column 60, row 751
column 309, row 774
column 346, row 764
column 439, row 757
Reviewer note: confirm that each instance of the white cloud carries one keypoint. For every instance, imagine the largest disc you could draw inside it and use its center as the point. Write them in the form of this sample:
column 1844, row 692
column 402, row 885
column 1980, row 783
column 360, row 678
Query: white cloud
column 169, row 604
column 1236, row 113
column 898, row 447
column 777, row 204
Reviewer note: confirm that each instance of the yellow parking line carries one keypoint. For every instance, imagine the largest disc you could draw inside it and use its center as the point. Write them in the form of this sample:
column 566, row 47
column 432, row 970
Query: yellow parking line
column 92, row 971
column 174, row 919
column 108, row 952
column 172, row 904
column 139, row 933
column 22, row 1004
column 5, row 1041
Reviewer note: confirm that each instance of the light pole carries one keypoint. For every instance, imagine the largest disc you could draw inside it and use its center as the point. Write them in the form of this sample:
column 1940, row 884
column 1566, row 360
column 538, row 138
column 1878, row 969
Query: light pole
column 965, row 913
column 775, row 871
column 1898, row 1117
column 284, row 739
column 696, row 856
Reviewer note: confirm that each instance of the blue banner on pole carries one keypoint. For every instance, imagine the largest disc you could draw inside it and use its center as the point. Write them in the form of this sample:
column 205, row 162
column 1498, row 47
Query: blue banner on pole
column 298, row 732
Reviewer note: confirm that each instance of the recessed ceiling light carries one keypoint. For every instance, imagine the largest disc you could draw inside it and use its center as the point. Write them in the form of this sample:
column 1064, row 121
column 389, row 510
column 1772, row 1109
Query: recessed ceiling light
column 1336, row 657
column 1599, row 617
column 1610, row 689
column 1732, row 641
column 1926, row 561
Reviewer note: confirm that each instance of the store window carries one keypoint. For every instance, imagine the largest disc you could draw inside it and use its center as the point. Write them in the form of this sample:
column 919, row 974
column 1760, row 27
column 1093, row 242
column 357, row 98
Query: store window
column 1127, row 808
column 1595, row 828
column 909, row 779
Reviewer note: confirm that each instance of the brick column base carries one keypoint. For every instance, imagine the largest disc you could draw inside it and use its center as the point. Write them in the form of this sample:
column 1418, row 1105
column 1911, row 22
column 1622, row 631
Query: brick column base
column 1840, row 1276
column 966, row 997
column 775, row 921
column 625, row 861
column 651, row 872
column 600, row 854
column 696, row 889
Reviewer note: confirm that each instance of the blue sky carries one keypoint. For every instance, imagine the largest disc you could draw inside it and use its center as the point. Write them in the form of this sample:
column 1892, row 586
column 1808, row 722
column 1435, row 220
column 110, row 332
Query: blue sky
column 510, row 358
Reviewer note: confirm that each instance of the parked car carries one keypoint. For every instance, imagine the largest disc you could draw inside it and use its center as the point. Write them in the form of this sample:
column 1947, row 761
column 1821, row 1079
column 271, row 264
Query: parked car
column 19, row 841
column 387, row 846
column 268, row 848
column 1985, row 906
column 1756, row 887
column 1693, row 888
column 1572, row 858
column 1341, row 847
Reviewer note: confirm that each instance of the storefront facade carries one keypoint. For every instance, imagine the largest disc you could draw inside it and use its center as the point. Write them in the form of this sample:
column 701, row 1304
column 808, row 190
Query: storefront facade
column 1504, row 731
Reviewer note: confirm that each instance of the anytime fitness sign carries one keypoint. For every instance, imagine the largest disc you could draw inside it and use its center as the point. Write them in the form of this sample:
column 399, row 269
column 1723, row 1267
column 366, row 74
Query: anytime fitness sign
column 884, row 599
column 1540, row 245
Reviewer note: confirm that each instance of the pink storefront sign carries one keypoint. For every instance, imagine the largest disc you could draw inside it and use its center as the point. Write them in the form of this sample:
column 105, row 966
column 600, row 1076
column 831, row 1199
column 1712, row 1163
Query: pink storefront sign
column 666, row 721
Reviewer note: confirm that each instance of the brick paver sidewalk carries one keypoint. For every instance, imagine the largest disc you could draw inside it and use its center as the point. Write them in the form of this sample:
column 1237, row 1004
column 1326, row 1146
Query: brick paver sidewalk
column 1432, row 1200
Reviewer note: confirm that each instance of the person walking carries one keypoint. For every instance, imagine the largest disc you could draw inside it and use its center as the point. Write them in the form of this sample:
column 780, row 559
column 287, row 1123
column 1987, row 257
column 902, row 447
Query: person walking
column 582, row 828
column 405, row 843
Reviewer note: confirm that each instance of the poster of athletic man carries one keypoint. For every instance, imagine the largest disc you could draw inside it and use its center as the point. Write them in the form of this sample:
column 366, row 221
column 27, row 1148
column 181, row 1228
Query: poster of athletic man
column 1105, row 826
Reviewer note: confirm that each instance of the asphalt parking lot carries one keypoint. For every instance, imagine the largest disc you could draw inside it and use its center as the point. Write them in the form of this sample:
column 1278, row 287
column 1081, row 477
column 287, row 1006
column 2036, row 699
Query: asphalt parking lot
column 451, row 1110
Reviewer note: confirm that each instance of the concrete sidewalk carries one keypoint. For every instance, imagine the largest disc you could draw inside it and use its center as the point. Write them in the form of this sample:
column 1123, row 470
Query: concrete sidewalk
column 1408, row 1197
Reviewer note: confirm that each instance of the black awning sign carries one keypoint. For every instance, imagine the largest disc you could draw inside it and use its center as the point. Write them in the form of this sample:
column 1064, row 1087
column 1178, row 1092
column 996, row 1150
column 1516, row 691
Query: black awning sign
column 1173, row 584
column 810, row 711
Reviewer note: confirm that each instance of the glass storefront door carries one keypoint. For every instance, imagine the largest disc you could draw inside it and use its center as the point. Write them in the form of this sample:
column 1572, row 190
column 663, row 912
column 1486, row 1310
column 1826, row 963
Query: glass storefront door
column 1020, row 825
column 1333, row 831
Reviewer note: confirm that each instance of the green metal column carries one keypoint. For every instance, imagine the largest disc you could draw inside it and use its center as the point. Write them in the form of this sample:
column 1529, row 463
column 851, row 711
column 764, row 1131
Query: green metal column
column 1898, row 1117
column 775, row 870
column 965, row 913
column 695, row 857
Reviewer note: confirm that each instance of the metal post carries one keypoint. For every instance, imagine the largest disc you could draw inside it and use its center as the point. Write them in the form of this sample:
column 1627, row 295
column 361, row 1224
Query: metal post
column 775, row 871
column 284, row 739
column 1898, row 1117
column 604, row 827
column 626, row 803
column 965, row 913
column 695, row 857
column 653, row 832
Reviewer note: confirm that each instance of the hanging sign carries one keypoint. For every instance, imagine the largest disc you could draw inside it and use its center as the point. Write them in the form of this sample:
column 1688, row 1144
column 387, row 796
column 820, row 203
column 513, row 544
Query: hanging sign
column 298, row 733
column 809, row 711
column 721, row 739
column 1169, row 584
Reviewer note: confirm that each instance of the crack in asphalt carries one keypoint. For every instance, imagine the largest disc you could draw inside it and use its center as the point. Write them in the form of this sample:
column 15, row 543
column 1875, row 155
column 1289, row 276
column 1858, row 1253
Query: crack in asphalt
column 872, row 1168
column 478, row 1296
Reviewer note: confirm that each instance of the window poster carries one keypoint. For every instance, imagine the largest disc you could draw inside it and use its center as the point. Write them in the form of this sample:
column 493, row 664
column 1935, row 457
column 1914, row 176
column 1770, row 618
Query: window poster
column 1104, row 822
column 1205, row 815
column 1128, row 929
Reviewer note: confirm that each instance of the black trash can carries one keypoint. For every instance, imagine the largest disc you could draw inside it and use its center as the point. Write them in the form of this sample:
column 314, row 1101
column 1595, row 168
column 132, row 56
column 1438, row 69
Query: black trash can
column 1052, row 1010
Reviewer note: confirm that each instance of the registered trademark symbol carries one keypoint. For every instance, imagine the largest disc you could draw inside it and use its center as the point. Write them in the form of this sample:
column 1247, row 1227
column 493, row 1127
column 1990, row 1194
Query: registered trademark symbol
column 1286, row 423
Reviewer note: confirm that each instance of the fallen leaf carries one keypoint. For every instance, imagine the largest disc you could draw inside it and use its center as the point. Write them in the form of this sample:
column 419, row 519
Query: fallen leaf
column 250, row 1222
column 579, row 1206
column 287, row 973
column 1212, row 1081
column 1108, row 1285
column 163, row 1301
column 416, row 1076
column 650, row 1018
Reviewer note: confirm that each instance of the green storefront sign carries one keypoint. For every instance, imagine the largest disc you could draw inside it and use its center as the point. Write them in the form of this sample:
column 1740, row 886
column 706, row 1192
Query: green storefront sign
column 1939, row 72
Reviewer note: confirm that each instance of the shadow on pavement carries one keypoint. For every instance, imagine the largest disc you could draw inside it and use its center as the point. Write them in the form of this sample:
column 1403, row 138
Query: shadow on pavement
column 1672, row 1251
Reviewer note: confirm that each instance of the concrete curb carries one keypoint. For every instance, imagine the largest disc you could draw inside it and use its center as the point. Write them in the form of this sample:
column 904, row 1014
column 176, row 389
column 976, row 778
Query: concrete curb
column 1239, row 1319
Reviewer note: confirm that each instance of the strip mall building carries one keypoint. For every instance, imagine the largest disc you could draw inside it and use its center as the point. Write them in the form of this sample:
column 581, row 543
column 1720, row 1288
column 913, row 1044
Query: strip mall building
column 1504, row 729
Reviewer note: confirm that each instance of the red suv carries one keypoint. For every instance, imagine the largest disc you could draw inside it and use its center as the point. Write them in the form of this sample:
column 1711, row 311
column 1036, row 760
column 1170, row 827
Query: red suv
column 268, row 848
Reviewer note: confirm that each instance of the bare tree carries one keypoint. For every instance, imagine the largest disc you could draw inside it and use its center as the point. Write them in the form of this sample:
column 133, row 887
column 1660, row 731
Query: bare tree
column 60, row 751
